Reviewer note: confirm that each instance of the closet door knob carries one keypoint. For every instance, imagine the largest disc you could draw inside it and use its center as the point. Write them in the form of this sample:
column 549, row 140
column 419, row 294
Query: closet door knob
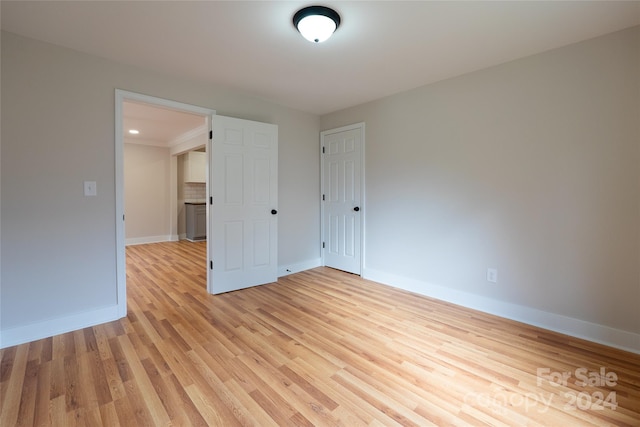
column 273, row 211
column 356, row 209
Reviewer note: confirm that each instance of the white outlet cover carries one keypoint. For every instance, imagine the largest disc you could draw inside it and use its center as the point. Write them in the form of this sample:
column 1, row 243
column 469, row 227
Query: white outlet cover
column 492, row 275
column 90, row 188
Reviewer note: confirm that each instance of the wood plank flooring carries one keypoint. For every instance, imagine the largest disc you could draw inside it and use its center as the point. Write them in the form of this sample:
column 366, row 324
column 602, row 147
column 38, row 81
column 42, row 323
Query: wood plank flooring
column 317, row 348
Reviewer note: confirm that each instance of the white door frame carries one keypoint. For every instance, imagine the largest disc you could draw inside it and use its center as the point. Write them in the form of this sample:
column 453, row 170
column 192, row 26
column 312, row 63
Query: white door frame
column 120, row 97
column 363, row 209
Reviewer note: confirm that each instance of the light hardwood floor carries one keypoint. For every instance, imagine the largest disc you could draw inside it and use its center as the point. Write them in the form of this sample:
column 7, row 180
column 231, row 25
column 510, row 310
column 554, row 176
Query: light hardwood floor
column 319, row 348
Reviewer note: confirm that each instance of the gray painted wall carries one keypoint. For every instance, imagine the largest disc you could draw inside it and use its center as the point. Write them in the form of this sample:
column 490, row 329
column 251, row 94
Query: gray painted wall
column 146, row 191
column 58, row 247
column 531, row 167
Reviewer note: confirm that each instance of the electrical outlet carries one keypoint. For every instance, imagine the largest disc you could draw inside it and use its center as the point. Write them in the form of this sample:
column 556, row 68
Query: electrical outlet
column 492, row 275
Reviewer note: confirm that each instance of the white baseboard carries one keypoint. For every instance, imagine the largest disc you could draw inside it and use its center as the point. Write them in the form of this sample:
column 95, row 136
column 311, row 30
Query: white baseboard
column 618, row 338
column 51, row 327
column 285, row 270
column 149, row 239
column 612, row 337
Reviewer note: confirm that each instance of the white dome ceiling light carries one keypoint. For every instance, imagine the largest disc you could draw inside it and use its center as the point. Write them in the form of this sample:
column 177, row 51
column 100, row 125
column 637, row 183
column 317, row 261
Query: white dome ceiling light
column 316, row 23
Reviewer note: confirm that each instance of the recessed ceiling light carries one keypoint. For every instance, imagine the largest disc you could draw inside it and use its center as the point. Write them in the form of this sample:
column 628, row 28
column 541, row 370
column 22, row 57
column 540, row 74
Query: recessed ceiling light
column 134, row 131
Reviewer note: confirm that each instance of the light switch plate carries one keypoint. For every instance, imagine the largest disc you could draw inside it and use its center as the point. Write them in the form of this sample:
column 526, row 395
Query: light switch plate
column 492, row 275
column 90, row 188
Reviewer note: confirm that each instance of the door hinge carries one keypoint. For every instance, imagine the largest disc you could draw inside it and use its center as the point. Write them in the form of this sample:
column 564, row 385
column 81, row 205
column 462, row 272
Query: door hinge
column 211, row 265
column 123, row 217
column 323, row 197
column 322, row 150
column 210, row 134
column 210, row 200
column 322, row 245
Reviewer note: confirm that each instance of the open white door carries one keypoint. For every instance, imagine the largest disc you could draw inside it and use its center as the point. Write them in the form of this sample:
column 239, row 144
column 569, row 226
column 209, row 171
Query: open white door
column 243, row 219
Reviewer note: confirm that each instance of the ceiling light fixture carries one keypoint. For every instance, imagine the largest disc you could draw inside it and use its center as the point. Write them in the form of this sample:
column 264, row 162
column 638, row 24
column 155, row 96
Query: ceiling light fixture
column 134, row 131
column 316, row 23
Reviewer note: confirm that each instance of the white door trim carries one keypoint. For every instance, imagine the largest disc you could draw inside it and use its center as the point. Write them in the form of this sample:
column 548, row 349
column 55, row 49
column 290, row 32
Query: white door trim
column 120, row 97
column 323, row 134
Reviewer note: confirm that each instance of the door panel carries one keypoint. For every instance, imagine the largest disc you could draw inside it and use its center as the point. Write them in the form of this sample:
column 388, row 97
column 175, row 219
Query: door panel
column 233, row 245
column 342, row 213
column 244, row 187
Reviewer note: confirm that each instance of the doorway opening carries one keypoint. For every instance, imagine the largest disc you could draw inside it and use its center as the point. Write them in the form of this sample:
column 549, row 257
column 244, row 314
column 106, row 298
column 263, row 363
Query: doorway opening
column 164, row 161
column 167, row 131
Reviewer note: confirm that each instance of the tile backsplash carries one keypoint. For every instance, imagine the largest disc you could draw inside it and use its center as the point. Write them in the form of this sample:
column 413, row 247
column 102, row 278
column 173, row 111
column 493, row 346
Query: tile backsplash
column 194, row 191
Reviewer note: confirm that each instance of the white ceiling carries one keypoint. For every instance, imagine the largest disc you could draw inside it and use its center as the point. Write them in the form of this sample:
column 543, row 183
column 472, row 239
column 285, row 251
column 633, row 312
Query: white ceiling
column 381, row 48
column 158, row 126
